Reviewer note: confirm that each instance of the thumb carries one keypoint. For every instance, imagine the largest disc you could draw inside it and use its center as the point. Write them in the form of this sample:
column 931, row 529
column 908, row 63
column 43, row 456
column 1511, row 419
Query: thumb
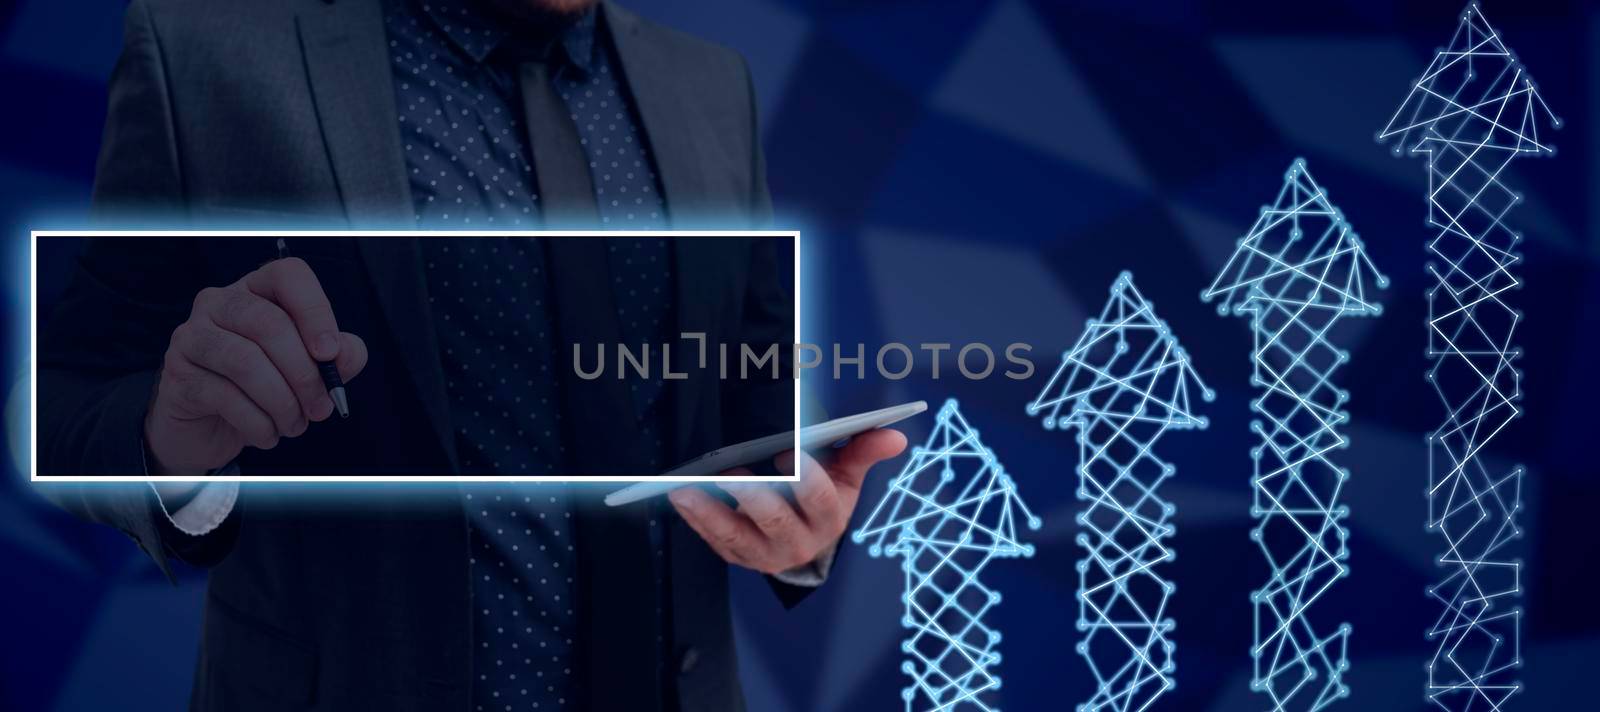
column 352, row 355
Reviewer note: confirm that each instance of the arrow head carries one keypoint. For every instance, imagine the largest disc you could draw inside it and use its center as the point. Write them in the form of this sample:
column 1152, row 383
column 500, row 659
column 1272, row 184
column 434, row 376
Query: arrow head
column 1476, row 92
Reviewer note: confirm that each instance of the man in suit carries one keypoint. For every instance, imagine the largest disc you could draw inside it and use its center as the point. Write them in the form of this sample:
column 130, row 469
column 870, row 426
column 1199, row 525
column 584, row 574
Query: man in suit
column 199, row 356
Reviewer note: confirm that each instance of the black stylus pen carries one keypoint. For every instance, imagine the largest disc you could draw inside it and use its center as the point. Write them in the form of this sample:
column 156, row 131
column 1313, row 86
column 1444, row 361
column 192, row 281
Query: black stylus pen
column 328, row 369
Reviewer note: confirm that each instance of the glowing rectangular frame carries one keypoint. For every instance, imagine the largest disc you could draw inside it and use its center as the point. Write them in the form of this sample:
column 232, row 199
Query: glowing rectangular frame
column 33, row 352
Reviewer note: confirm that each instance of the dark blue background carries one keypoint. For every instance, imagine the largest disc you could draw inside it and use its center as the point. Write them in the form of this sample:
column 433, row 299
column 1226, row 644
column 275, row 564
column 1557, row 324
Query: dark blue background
column 980, row 171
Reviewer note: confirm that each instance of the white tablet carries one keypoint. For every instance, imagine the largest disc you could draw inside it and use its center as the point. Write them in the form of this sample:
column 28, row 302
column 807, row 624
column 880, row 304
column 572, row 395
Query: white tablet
column 834, row 432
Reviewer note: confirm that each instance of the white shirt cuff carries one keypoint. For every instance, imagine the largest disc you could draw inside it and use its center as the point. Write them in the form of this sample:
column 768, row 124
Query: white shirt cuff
column 204, row 512
column 810, row 575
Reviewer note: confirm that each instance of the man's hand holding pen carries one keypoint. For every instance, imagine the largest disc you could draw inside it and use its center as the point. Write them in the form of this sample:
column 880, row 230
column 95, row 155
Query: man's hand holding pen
column 243, row 370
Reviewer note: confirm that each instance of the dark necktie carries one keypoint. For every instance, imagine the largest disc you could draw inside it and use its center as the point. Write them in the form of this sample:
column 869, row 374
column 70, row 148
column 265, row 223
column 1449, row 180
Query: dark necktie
column 583, row 133
column 558, row 156
column 627, row 197
column 523, row 536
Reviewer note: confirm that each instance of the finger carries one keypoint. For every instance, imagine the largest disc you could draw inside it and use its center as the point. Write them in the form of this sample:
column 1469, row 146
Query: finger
column 851, row 462
column 291, row 284
column 241, row 361
column 788, row 536
column 257, row 319
column 815, row 493
column 352, row 355
column 202, row 393
column 694, row 522
column 689, row 506
column 719, row 525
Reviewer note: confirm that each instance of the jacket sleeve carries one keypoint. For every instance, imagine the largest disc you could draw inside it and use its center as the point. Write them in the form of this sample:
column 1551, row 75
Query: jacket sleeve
column 100, row 349
column 760, row 406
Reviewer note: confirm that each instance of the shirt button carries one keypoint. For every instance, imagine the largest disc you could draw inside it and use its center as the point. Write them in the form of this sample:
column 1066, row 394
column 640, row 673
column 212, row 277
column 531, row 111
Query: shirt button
column 687, row 661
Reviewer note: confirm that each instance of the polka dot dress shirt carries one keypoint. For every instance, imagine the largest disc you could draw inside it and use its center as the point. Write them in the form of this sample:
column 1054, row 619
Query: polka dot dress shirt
column 467, row 153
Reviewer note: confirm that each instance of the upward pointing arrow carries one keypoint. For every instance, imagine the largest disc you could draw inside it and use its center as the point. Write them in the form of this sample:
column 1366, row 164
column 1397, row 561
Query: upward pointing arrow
column 1124, row 384
column 1299, row 271
column 1472, row 112
column 950, row 511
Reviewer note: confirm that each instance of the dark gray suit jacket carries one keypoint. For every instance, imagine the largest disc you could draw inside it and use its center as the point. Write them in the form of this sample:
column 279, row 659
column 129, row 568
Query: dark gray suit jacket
column 224, row 111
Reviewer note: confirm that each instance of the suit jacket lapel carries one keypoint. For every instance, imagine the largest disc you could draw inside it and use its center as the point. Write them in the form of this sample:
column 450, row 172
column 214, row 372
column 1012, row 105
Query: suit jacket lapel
column 599, row 412
column 614, row 555
column 672, row 131
column 348, row 67
column 698, row 261
column 348, row 64
column 395, row 264
column 669, row 123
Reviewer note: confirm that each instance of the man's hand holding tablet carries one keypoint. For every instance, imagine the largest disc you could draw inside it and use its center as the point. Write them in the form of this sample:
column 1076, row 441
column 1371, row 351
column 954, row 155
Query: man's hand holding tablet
column 773, row 531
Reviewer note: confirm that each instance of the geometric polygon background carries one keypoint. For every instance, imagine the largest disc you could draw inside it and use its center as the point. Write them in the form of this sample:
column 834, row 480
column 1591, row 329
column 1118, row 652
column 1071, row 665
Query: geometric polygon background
column 979, row 171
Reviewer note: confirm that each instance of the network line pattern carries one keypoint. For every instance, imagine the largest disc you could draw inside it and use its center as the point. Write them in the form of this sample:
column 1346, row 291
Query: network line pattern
column 1296, row 274
column 1471, row 113
column 1122, row 386
column 949, row 512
